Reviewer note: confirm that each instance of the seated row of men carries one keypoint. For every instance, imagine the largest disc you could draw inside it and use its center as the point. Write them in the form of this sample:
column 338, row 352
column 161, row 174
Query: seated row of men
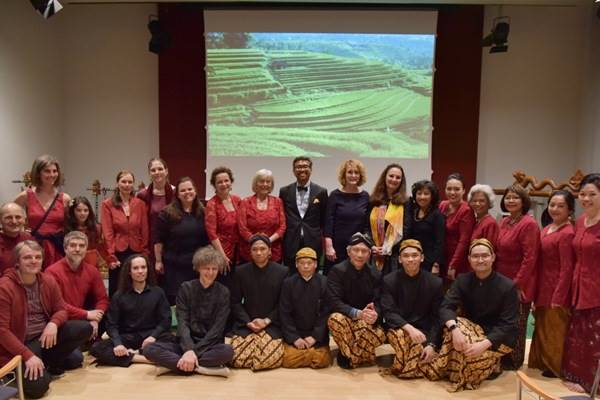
column 275, row 318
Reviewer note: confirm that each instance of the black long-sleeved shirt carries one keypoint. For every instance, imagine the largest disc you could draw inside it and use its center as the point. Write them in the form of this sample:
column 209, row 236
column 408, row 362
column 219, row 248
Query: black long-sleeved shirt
column 201, row 315
column 350, row 290
column 430, row 231
column 413, row 300
column 492, row 303
column 255, row 294
column 303, row 309
column 147, row 313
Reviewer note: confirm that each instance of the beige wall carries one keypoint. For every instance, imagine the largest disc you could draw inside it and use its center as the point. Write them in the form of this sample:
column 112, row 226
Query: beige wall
column 31, row 105
column 531, row 96
column 83, row 86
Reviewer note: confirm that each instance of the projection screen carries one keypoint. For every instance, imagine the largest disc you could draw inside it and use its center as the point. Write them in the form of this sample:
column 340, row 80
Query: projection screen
column 329, row 84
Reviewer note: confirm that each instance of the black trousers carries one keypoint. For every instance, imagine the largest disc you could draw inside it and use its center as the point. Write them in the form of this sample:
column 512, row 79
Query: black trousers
column 71, row 335
column 168, row 354
column 103, row 350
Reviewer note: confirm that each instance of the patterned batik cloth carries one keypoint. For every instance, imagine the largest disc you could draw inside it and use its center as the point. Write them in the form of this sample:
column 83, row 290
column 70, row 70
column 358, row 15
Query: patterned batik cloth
column 407, row 354
column 356, row 339
column 546, row 349
column 315, row 357
column 464, row 372
column 257, row 351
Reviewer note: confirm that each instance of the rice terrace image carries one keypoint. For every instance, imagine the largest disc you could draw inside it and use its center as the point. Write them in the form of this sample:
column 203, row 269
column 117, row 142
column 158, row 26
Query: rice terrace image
column 284, row 94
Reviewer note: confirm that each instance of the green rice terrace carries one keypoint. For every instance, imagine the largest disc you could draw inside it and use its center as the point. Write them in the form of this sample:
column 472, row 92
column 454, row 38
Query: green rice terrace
column 285, row 103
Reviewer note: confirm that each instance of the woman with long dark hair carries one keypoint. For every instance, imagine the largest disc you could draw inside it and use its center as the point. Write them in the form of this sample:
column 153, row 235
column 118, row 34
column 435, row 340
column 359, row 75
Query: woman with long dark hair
column 124, row 226
column 387, row 217
column 181, row 232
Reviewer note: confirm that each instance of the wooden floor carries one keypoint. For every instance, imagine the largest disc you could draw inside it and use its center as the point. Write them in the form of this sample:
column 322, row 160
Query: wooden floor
column 140, row 382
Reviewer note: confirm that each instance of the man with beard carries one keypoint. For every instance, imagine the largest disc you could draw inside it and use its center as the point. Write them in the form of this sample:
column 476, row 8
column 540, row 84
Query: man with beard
column 33, row 321
column 305, row 204
column 79, row 283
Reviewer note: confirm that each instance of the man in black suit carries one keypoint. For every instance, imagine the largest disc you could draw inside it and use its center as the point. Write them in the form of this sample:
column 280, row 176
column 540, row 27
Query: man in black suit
column 305, row 204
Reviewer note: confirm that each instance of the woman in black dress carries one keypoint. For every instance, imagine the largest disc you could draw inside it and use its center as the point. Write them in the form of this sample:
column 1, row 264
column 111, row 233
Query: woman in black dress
column 181, row 232
column 428, row 224
column 346, row 211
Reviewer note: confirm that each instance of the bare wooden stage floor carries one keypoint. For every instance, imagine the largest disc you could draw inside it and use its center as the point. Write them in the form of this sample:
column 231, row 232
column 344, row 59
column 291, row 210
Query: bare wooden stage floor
column 140, row 382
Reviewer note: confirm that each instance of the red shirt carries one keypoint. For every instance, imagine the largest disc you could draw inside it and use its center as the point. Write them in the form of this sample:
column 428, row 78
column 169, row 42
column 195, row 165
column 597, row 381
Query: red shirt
column 13, row 312
column 486, row 228
column 586, row 280
column 7, row 248
column 459, row 226
column 222, row 224
column 78, row 286
column 555, row 268
column 121, row 232
column 251, row 221
column 517, row 251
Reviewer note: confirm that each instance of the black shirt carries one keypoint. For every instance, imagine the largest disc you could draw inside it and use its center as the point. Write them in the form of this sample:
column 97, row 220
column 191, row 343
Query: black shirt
column 349, row 289
column 492, row 303
column 413, row 300
column 303, row 309
column 255, row 294
column 147, row 313
column 201, row 315
column 430, row 231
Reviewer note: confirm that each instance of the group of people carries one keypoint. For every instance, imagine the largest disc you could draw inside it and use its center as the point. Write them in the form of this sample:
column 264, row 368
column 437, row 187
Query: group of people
column 397, row 269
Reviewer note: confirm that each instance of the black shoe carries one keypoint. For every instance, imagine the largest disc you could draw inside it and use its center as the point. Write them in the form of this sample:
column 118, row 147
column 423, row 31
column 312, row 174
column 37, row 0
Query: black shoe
column 548, row 374
column 343, row 361
column 55, row 373
column 494, row 375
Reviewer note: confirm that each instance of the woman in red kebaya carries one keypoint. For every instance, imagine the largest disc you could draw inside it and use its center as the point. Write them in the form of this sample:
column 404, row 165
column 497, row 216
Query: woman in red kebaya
column 516, row 257
column 221, row 221
column 262, row 213
column 554, row 274
column 124, row 227
column 459, row 226
column 481, row 200
column 582, row 346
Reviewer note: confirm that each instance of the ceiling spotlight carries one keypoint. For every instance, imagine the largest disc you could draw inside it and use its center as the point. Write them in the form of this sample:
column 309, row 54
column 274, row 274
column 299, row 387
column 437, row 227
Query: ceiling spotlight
column 497, row 39
column 160, row 39
column 46, row 8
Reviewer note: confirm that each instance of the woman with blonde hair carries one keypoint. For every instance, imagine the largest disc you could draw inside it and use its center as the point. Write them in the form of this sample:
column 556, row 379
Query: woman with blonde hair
column 346, row 211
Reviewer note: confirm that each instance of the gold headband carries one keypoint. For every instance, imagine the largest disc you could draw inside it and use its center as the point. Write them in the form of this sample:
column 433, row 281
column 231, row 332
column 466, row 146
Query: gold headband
column 411, row 243
column 481, row 242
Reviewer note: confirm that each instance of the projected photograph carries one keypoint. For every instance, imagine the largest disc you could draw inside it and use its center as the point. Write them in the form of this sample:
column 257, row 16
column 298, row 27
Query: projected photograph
column 319, row 94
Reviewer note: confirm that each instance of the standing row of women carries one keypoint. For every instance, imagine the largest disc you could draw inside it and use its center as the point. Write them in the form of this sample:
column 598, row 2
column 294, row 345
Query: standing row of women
column 170, row 223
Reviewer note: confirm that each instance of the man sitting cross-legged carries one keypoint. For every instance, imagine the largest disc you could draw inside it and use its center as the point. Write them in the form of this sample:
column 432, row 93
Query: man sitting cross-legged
column 138, row 315
column 353, row 289
column 474, row 344
column 410, row 300
column 202, row 311
column 257, row 333
column 303, row 311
